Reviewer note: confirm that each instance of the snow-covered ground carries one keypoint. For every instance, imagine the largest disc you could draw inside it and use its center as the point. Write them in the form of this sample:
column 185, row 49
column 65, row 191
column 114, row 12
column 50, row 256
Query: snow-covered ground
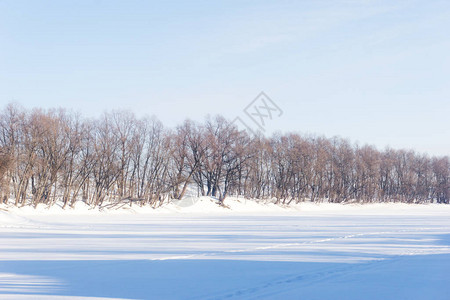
column 246, row 251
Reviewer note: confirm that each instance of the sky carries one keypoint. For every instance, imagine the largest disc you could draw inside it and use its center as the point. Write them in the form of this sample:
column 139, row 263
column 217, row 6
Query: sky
column 375, row 72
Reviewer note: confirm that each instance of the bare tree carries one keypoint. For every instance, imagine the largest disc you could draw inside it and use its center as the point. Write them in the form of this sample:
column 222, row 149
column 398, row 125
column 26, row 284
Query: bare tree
column 47, row 156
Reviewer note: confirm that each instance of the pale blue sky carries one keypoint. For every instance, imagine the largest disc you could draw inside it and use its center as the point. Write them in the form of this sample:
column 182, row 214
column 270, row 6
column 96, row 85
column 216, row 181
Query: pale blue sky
column 376, row 72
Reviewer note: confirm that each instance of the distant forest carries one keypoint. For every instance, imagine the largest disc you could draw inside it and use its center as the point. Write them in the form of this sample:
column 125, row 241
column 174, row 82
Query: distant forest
column 54, row 156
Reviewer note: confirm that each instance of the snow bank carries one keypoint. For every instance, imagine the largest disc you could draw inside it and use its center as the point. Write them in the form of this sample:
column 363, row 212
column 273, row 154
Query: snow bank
column 232, row 205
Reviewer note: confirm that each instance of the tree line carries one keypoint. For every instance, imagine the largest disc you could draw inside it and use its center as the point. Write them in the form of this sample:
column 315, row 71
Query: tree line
column 54, row 156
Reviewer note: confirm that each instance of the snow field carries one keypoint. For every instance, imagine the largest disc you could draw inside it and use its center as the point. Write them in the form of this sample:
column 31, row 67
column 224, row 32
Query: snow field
column 247, row 251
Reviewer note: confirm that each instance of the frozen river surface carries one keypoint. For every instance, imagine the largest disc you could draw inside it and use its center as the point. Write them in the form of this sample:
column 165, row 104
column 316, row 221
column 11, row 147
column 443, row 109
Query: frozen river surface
column 386, row 252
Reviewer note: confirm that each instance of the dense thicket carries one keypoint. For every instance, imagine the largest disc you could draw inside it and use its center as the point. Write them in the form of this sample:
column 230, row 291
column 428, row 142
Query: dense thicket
column 55, row 156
